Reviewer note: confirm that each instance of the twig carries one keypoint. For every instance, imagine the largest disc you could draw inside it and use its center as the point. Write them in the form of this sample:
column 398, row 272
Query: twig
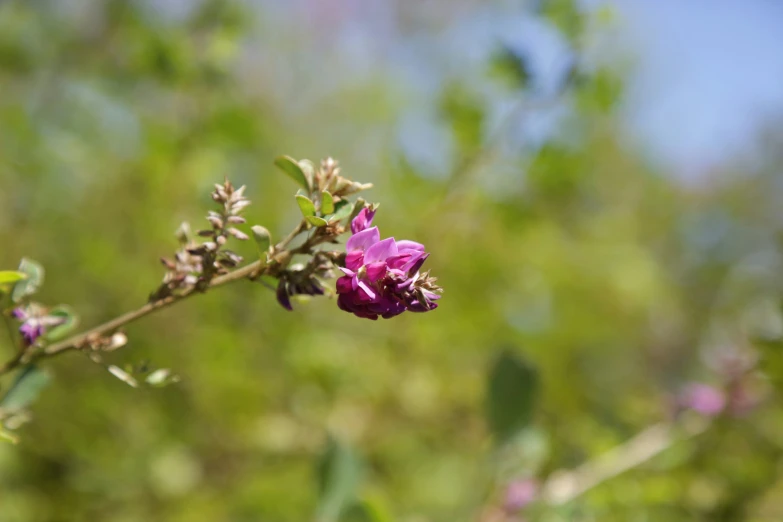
column 565, row 486
column 79, row 340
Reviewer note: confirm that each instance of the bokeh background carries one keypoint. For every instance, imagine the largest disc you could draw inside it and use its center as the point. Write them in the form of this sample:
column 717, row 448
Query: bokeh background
column 599, row 186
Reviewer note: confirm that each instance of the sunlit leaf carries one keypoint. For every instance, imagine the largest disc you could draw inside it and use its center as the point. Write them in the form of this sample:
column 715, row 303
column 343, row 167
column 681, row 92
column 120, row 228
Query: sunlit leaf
column 316, row 221
column 263, row 240
column 122, row 375
column 327, row 203
column 306, row 206
column 30, row 285
column 338, row 474
column 162, row 377
column 342, row 209
column 511, row 391
column 367, row 510
column 70, row 321
column 291, row 167
column 25, row 389
column 11, row 276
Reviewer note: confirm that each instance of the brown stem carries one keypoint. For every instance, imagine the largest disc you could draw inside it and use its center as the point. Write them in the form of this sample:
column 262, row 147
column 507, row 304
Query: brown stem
column 80, row 340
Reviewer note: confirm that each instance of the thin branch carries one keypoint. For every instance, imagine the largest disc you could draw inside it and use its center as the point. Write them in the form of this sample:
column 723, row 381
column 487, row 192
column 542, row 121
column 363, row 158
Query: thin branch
column 81, row 339
column 565, row 486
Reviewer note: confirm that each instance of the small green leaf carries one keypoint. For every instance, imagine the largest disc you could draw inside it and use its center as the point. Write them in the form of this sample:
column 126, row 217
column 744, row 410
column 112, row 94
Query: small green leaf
column 327, row 203
column 25, row 389
column 367, row 510
column 511, row 393
column 316, row 221
column 122, row 375
column 342, row 209
column 30, row 285
column 305, row 205
column 291, row 167
column 11, row 276
column 263, row 240
column 70, row 321
column 338, row 473
column 162, row 377
column 308, row 167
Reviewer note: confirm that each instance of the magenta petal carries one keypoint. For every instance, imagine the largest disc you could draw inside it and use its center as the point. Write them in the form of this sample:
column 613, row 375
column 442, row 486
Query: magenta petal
column 367, row 289
column 415, row 262
column 376, row 271
column 381, row 251
column 363, row 240
column 406, row 244
column 398, row 261
column 344, row 285
column 362, row 221
column 347, row 271
column 354, row 260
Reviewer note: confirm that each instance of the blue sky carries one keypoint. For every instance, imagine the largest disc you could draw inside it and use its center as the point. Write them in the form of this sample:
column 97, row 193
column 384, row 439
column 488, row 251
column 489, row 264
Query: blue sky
column 708, row 75
column 704, row 76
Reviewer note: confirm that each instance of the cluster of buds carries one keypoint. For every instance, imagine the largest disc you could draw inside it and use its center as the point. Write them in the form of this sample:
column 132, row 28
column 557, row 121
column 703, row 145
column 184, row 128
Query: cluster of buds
column 194, row 264
column 35, row 321
column 382, row 277
column 328, row 179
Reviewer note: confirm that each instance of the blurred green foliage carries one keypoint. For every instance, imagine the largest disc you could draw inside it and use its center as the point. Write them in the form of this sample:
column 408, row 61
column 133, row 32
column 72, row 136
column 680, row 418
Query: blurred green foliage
column 609, row 277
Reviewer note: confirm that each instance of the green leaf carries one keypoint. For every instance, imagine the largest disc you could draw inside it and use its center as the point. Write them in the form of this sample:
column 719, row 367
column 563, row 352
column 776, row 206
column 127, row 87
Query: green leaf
column 306, row 206
column 162, row 377
column 263, row 240
column 291, row 167
column 122, row 375
column 25, row 389
column 308, row 167
column 338, row 474
column 11, row 276
column 327, row 203
column 367, row 510
column 316, row 221
column 511, row 393
column 70, row 321
column 30, row 285
column 342, row 209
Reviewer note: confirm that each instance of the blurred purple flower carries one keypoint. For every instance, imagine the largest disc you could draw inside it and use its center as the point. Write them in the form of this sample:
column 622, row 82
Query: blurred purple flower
column 382, row 277
column 519, row 494
column 703, row 398
column 34, row 322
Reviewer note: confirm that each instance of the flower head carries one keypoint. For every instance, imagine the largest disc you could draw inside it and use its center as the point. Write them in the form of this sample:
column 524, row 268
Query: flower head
column 35, row 321
column 704, row 399
column 519, row 494
column 382, row 277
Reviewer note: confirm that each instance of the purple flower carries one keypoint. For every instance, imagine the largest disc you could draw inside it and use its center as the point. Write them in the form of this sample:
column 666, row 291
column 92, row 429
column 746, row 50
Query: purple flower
column 519, row 494
column 34, row 322
column 704, row 399
column 382, row 277
column 362, row 221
